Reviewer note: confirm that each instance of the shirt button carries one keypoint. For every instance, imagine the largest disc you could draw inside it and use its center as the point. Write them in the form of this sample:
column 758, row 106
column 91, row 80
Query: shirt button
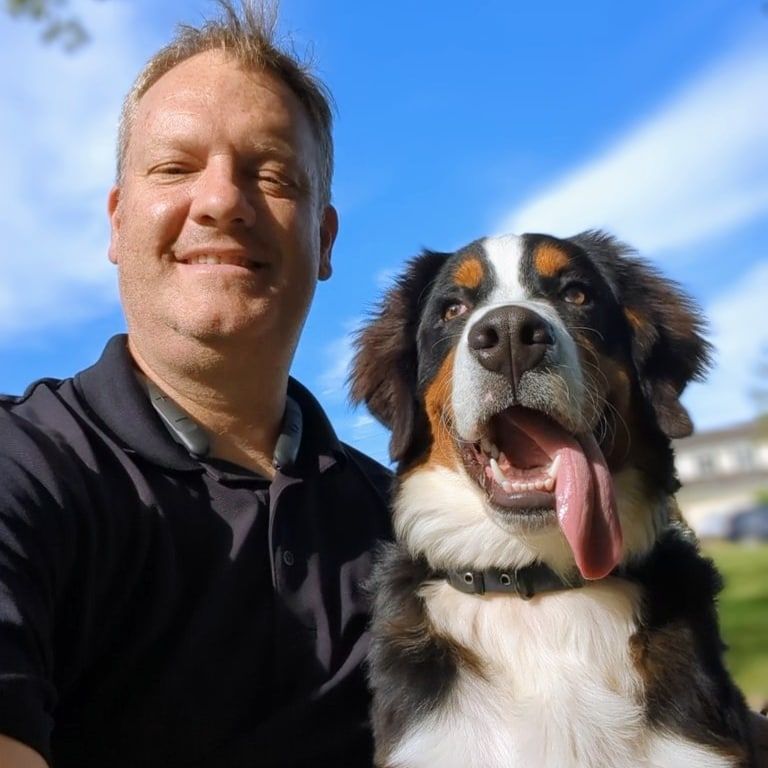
column 288, row 557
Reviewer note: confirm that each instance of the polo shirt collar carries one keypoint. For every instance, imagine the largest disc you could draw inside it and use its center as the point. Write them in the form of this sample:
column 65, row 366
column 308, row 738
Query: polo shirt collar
column 113, row 394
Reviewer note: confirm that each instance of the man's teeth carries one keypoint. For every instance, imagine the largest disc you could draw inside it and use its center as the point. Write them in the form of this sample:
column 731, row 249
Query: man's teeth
column 208, row 258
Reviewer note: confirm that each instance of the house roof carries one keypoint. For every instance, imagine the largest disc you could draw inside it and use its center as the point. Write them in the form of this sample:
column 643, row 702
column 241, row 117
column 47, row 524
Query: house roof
column 749, row 430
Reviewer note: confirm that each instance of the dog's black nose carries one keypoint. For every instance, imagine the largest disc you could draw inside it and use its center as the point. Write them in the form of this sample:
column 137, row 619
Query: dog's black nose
column 510, row 341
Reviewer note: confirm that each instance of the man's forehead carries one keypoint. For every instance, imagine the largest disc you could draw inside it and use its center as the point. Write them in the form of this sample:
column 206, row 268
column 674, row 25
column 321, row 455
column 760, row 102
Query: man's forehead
column 213, row 76
column 186, row 102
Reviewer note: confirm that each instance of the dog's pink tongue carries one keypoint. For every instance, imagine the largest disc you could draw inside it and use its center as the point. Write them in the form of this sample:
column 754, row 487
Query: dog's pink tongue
column 586, row 508
column 586, row 505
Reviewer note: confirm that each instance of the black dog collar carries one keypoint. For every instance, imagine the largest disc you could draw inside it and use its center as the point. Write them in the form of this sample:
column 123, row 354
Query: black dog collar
column 523, row 582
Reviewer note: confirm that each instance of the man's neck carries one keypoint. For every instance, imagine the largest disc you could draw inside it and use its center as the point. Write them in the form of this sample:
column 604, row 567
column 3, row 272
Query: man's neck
column 238, row 400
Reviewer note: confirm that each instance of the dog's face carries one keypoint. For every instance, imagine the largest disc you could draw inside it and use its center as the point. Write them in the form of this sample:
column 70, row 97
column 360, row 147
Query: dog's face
column 531, row 385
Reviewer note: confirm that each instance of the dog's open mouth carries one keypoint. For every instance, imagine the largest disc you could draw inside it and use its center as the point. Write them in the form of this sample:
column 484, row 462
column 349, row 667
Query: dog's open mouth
column 527, row 462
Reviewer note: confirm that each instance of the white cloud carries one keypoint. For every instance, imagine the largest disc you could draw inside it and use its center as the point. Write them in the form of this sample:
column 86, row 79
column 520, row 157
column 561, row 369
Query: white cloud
column 363, row 422
column 738, row 335
column 339, row 352
column 357, row 426
column 372, row 438
column 384, row 278
column 365, row 433
column 58, row 134
column 697, row 167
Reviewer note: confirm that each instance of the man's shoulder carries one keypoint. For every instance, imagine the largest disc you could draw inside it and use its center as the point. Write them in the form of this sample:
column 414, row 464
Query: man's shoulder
column 10, row 403
column 57, row 414
column 324, row 438
column 368, row 464
column 377, row 474
column 29, row 412
column 32, row 442
column 38, row 413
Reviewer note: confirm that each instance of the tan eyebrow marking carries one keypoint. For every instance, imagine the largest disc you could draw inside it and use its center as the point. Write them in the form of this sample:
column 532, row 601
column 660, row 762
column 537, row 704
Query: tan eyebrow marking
column 549, row 260
column 470, row 273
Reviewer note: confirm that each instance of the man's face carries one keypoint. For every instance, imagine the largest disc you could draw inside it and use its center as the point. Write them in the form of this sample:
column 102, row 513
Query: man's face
column 217, row 229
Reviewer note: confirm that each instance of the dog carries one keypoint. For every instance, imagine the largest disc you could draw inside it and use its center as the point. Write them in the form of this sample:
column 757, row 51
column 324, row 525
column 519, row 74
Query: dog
column 544, row 604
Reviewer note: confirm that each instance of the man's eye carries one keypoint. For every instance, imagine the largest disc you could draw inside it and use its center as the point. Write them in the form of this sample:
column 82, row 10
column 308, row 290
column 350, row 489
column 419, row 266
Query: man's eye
column 171, row 169
column 273, row 178
column 454, row 310
column 575, row 293
column 275, row 182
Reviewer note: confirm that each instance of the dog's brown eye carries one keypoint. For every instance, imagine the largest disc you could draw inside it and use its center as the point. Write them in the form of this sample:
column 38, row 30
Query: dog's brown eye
column 454, row 310
column 575, row 294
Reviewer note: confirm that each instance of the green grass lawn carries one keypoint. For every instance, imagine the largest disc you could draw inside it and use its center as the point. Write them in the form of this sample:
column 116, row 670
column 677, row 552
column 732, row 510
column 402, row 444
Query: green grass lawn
column 744, row 614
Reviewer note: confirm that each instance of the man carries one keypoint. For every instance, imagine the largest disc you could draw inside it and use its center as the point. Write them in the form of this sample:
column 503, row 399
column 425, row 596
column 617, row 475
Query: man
column 183, row 539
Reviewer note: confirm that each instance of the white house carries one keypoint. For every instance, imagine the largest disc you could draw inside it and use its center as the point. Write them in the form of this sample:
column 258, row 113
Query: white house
column 722, row 472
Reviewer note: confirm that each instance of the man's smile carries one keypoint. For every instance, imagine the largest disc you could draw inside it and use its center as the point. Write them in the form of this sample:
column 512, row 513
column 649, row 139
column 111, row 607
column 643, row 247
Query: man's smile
column 220, row 261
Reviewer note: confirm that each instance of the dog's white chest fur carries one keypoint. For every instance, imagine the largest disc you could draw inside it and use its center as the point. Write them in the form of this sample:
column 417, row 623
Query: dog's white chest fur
column 558, row 688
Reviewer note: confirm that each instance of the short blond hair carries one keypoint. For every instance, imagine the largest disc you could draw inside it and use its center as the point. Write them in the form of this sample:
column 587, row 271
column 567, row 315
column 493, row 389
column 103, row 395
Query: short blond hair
column 248, row 36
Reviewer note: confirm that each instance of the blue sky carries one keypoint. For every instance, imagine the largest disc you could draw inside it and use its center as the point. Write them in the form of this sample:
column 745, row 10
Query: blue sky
column 648, row 119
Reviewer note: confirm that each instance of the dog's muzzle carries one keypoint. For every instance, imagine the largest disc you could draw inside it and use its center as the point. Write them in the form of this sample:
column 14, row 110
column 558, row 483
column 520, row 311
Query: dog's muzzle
column 510, row 341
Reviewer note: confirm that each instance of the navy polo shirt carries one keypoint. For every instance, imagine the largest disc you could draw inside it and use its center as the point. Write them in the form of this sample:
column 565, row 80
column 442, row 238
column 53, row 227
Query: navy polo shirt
column 160, row 610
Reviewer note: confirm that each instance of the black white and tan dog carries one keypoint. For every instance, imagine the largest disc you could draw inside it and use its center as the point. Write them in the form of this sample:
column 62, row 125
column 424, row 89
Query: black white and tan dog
column 544, row 606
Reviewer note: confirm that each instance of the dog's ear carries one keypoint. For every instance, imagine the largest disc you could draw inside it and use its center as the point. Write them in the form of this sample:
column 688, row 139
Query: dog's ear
column 384, row 368
column 668, row 346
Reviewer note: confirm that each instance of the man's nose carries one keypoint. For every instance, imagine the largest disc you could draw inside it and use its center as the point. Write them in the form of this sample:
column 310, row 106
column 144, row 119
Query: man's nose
column 510, row 341
column 221, row 198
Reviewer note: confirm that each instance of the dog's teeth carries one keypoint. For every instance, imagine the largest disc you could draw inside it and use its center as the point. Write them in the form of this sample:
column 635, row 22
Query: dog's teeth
column 489, row 448
column 539, row 485
column 507, row 486
column 549, row 484
column 553, row 467
column 498, row 475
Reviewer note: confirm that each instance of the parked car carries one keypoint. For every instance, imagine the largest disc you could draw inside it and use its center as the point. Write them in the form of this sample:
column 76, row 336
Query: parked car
column 749, row 524
column 714, row 527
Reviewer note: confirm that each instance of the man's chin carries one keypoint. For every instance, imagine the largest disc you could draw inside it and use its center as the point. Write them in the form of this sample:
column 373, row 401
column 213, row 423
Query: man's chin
column 256, row 329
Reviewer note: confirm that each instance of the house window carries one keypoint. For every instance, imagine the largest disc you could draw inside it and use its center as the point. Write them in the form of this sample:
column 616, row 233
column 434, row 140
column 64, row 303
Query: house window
column 706, row 464
column 745, row 458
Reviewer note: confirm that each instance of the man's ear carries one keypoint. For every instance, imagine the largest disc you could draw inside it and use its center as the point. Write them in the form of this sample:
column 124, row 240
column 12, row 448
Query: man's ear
column 329, row 228
column 384, row 369
column 114, row 222
column 667, row 329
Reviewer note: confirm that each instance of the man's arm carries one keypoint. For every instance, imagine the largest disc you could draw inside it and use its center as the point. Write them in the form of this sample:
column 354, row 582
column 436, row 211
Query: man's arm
column 14, row 754
column 32, row 494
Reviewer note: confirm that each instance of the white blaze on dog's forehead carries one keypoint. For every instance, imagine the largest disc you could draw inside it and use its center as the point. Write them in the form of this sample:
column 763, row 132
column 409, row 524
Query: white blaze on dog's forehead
column 505, row 255
column 473, row 386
